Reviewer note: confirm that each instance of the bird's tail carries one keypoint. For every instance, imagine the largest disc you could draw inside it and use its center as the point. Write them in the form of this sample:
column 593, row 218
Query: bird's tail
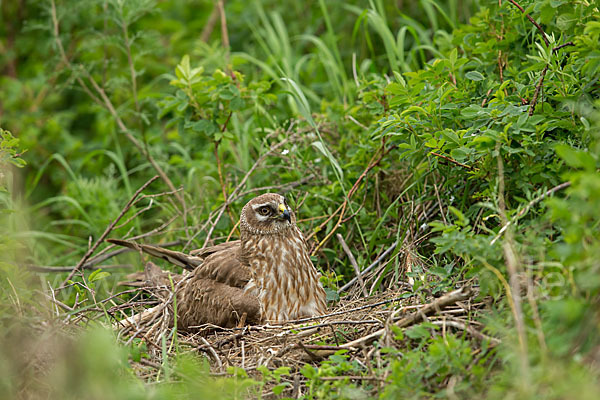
column 174, row 257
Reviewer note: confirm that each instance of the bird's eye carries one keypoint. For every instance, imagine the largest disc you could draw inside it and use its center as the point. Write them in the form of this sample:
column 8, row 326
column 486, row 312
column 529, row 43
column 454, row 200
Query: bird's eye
column 264, row 211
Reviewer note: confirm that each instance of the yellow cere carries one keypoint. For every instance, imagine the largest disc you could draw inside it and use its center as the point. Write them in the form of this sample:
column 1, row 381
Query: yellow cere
column 281, row 208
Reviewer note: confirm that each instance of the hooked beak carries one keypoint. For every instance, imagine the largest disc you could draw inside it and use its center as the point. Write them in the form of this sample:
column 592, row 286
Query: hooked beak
column 285, row 214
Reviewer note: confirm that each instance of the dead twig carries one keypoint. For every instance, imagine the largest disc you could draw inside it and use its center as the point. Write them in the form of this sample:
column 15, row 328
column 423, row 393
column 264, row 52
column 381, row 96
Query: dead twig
column 210, row 24
column 224, row 34
column 212, row 352
column 370, row 267
column 539, row 28
column 469, row 329
column 538, row 87
column 513, row 267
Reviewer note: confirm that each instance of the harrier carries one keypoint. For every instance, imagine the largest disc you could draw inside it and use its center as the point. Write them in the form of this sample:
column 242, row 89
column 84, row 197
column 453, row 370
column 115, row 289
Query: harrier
column 266, row 276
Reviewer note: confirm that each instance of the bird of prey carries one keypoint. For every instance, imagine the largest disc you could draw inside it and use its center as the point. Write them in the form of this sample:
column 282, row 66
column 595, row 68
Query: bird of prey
column 265, row 276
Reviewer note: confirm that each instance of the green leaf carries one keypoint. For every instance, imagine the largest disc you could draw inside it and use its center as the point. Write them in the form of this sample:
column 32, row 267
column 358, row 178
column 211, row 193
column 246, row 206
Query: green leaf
column 332, row 295
column 564, row 22
column 277, row 390
column 417, row 332
column 183, row 70
column 98, row 275
column 205, row 126
column 474, row 76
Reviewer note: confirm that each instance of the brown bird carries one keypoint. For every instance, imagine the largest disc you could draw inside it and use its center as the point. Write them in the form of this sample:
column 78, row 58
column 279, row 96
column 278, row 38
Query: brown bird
column 266, row 276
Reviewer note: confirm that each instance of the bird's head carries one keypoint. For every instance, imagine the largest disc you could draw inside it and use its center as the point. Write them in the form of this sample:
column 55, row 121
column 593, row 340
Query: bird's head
column 267, row 214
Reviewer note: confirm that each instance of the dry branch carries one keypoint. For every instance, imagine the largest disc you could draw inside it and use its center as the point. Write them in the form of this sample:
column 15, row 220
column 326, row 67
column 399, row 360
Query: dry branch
column 354, row 264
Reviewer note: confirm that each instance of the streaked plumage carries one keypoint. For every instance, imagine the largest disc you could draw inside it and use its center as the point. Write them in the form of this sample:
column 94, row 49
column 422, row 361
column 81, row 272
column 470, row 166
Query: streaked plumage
column 266, row 276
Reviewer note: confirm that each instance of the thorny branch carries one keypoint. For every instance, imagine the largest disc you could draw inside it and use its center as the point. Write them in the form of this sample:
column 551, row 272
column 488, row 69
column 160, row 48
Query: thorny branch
column 538, row 87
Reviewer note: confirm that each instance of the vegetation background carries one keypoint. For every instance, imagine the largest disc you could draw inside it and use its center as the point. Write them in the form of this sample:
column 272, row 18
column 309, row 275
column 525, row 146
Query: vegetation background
column 465, row 131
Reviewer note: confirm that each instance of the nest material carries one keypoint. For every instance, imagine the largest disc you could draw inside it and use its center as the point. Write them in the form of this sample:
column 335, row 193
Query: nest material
column 352, row 325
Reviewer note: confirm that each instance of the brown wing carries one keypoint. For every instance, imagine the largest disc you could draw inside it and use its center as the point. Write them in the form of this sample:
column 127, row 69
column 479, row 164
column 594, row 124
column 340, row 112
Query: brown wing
column 215, row 292
column 225, row 267
column 205, row 301
column 174, row 257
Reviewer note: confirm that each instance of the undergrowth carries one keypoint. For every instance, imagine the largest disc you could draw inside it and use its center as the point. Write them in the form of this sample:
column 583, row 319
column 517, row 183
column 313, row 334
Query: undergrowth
column 458, row 129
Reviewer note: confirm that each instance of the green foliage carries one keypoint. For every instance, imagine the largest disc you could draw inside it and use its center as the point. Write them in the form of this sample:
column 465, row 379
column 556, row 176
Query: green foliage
column 419, row 374
column 338, row 364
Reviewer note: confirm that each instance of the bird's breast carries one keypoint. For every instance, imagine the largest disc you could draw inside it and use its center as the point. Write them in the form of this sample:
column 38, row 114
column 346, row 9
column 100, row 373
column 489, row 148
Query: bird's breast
column 283, row 278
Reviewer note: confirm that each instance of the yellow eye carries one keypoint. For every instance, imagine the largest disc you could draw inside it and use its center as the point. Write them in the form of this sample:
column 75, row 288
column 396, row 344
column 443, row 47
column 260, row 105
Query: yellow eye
column 264, row 211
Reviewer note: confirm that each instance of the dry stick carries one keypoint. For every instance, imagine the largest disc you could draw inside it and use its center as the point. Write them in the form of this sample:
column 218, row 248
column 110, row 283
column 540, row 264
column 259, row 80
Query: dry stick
column 105, row 101
column 100, row 258
column 351, row 377
column 219, row 168
column 108, row 229
column 247, row 330
column 528, row 206
column 286, row 187
column 220, row 172
column 538, row 88
column 437, row 194
column 435, row 306
column 342, row 206
column 212, row 352
column 130, row 62
column 137, row 144
column 536, row 316
column 512, row 265
column 370, row 267
column 155, row 230
column 63, row 54
column 148, row 207
column 354, row 264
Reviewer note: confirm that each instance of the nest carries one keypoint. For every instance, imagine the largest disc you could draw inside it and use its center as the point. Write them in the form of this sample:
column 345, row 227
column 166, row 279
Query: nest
column 352, row 327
